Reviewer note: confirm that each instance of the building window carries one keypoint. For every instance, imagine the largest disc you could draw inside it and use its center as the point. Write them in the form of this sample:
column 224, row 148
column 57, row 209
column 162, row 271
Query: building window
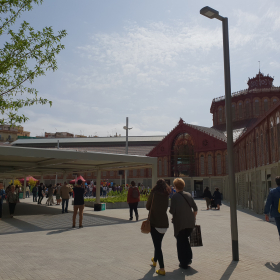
column 252, row 154
column 262, row 149
column 220, row 115
column 142, row 172
column 258, row 149
column 159, row 167
column 219, row 164
column 165, row 167
column 257, row 107
column 134, row 172
column 111, row 173
column 233, row 112
column 274, row 101
column 150, row 172
column 240, row 110
column 104, row 173
column 209, row 164
column 265, row 105
column 201, row 159
column 247, row 109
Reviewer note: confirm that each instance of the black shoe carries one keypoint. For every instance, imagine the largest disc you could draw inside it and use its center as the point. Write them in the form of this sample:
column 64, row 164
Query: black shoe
column 73, row 226
column 66, row 212
column 130, row 219
column 62, row 212
column 137, row 217
column 185, row 266
column 80, row 226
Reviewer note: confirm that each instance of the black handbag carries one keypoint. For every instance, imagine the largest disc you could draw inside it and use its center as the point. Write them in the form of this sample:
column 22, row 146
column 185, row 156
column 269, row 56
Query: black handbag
column 195, row 237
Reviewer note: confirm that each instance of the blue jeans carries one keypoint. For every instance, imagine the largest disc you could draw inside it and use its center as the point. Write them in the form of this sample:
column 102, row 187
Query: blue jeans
column 27, row 194
column 66, row 207
column 277, row 220
column 104, row 193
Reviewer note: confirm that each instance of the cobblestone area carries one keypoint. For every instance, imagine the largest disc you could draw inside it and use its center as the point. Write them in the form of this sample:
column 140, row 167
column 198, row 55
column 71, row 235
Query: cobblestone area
column 39, row 243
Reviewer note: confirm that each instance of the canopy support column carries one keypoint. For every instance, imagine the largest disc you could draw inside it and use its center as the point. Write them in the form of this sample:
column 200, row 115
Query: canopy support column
column 42, row 179
column 64, row 177
column 24, row 186
column 98, row 179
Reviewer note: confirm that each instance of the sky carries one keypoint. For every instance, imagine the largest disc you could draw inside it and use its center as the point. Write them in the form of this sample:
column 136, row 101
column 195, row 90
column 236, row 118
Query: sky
column 152, row 61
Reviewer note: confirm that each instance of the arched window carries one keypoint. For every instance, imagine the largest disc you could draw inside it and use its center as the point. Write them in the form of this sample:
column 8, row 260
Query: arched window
column 258, row 149
column 209, row 164
column 257, row 107
column 160, row 168
column 274, row 100
column 165, row 167
column 220, row 115
column 219, row 164
column 272, row 141
column 265, row 105
column 233, row 112
column 183, row 156
column 247, row 109
column 262, row 150
column 201, row 163
column 240, row 110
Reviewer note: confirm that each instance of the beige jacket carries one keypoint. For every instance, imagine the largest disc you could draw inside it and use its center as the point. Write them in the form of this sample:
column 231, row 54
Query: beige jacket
column 64, row 192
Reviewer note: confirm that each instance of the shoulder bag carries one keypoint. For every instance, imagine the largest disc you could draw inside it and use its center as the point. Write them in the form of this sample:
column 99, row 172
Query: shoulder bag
column 146, row 226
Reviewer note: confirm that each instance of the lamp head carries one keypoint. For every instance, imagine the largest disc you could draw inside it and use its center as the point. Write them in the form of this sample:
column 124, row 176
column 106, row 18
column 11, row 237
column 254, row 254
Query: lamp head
column 209, row 12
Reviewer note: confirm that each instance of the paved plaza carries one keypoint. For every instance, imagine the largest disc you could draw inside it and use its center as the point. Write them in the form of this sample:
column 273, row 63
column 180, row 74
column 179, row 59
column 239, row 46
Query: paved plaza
column 39, row 243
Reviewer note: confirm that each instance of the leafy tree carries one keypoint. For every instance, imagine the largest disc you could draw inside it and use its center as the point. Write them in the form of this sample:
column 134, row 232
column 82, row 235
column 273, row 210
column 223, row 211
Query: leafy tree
column 32, row 184
column 16, row 182
column 26, row 55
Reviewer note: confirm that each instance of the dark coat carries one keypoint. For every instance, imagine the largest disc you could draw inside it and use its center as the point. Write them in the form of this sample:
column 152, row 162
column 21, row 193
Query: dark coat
column 182, row 211
column 158, row 217
column 207, row 193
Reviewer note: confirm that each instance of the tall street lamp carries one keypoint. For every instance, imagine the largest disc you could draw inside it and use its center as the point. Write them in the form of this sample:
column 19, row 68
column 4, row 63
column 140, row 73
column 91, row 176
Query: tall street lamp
column 126, row 147
column 211, row 13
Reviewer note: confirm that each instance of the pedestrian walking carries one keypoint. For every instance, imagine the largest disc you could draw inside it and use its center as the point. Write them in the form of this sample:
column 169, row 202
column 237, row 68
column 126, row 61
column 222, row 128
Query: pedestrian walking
column 157, row 204
column 133, row 197
column 104, row 190
column 27, row 191
column 12, row 199
column 184, row 211
column 79, row 203
column 41, row 193
column 50, row 195
column 65, row 195
column 2, row 196
column 57, row 195
column 217, row 198
column 34, row 193
column 272, row 206
column 207, row 196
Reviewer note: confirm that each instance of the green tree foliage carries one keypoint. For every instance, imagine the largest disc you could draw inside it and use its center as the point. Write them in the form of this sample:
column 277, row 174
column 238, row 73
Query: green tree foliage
column 26, row 55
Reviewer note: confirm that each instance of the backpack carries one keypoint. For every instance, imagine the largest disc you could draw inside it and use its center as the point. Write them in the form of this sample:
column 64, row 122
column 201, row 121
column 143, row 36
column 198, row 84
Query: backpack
column 134, row 193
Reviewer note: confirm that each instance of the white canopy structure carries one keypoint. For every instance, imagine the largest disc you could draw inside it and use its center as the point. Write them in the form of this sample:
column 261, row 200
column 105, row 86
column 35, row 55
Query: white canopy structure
column 19, row 162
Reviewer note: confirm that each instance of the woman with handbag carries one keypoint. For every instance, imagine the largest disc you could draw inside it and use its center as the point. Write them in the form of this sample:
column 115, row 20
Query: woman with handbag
column 157, row 204
column 184, row 210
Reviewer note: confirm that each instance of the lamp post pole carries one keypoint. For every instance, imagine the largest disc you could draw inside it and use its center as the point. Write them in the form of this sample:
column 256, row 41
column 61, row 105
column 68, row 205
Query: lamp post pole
column 126, row 147
column 211, row 13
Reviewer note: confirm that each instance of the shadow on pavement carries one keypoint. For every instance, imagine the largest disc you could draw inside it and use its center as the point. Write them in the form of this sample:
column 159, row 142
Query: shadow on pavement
column 178, row 274
column 31, row 218
column 273, row 266
column 229, row 271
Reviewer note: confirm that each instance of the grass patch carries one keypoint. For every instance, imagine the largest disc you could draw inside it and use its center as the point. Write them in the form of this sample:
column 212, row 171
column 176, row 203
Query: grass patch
column 113, row 197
